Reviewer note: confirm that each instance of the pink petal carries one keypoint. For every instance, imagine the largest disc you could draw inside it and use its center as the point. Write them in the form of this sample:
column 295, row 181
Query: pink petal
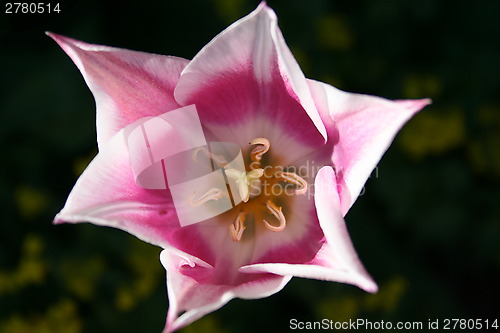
column 248, row 73
column 127, row 85
column 198, row 299
column 337, row 260
column 200, row 289
column 366, row 126
column 106, row 194
column 297, row 243
column 211, row 242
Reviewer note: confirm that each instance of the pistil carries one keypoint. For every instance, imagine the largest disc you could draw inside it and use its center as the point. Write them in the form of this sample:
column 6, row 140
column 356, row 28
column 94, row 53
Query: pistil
column 244, row 180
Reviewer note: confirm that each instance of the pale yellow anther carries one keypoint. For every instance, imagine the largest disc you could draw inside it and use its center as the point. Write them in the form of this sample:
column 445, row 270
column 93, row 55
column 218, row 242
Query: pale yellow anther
column 243, row 180
column 261, row 149
column 213, row 194
column 237, row 227
column 278, row 214
column 220, row 160
column 254, row 174
column 293, row 178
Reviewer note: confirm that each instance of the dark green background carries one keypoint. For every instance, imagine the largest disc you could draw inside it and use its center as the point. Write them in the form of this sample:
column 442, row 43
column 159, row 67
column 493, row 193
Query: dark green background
column 427, row 227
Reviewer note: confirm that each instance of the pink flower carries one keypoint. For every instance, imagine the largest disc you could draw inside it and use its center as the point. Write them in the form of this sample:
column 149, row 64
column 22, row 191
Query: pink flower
column 312, row 143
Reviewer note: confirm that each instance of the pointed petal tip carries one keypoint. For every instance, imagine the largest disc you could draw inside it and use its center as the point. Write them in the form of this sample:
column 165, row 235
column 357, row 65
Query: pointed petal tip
column 67, row 43
column 55, row 36
column 373, row 290
column 168, row 328
column 364, row 281
column 263, row 7
column 421, row 103
column 414, row 105
column 52, row 35
column 262, row 4
column 64, row 42
column 58, row 219
column 369, row 286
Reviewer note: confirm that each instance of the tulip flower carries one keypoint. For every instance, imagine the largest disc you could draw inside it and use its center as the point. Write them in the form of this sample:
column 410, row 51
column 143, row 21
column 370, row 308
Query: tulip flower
column 306, row 151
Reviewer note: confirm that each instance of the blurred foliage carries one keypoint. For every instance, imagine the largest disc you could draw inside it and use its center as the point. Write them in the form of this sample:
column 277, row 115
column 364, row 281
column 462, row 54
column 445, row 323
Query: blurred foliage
column 434, row 133
column 427, row 227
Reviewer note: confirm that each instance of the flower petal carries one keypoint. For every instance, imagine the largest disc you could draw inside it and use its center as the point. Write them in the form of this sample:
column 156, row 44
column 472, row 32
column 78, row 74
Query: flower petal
column 297, row 243
column 337, row 259
column 366, row 126
column 127, row 85
column 106, row 194
column 195, row 299
column 211, row 241
column 246, row 72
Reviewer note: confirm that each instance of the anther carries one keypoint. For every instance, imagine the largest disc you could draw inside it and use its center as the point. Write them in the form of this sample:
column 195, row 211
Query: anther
column 212, row 194
column 220, row 160
column 278, row 214
column 293, row 178
column 254, row 174
column 257, row 152
column 237, row 227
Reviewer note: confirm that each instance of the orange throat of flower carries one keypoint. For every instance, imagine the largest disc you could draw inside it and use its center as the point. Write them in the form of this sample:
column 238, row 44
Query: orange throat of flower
column 263, row 188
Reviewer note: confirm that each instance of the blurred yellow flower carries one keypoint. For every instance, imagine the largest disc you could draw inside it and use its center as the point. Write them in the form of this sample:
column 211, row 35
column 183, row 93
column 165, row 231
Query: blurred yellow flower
column 81, row 276
column 31, row 269
column 333, row 33
column 30, row 201
column 61, row 317
column 433, row 132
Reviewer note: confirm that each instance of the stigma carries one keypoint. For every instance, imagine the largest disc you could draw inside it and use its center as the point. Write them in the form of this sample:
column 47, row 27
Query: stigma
column 244, row 180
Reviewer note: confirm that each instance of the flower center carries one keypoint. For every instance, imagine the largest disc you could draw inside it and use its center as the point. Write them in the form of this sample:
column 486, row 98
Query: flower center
column 262, row 188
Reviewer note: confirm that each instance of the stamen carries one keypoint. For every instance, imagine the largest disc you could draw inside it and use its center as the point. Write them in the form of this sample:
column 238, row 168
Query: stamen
column 276, row 211
column 295, row 179
column 219, row 159
column 243, row 180
column 257, row 152
column 254, row 174
column 237, row 227
column 213, row 194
